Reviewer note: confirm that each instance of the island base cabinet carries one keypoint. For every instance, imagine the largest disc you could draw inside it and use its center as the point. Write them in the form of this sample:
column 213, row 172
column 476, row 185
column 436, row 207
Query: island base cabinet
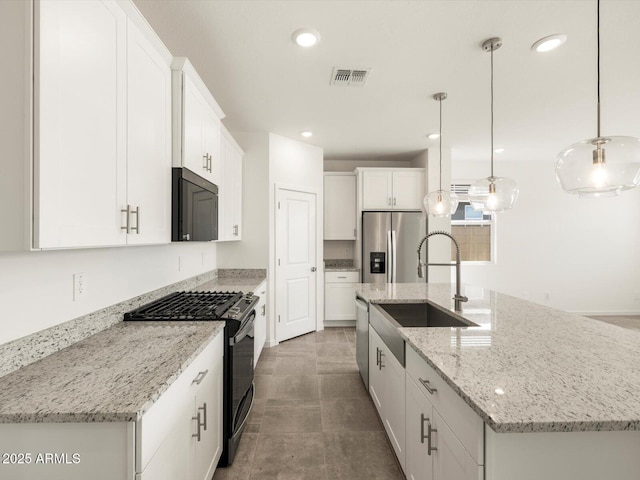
column 418, row 462
column 450, row 459
column 563, row 455
column 67, row 451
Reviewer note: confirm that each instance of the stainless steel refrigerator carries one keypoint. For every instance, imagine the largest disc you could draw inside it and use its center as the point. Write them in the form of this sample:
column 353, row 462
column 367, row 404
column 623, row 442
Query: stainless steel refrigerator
column 390, row 246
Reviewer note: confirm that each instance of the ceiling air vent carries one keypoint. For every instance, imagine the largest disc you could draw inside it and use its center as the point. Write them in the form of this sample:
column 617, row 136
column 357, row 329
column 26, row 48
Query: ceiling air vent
column 349, row 77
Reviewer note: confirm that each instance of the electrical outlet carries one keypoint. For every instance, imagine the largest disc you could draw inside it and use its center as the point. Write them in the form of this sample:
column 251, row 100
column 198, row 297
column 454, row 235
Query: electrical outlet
column 79, row 286
column 546, row 296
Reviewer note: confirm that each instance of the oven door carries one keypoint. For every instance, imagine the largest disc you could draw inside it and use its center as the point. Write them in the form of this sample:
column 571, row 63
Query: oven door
column 241, row 350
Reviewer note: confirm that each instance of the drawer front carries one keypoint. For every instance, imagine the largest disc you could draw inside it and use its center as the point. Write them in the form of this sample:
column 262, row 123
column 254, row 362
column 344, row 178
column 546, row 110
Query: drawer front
column 341, row 277
column 463, row 421
column 157, row 423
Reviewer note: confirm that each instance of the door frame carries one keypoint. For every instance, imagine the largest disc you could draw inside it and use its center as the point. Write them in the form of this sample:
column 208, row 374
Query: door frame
column 278, row 187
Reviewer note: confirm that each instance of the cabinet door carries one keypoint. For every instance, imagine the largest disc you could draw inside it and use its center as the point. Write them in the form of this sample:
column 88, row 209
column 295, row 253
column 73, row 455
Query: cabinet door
column 148, row 141
column 260, row 326
column 230, row 193
column 376, row 378
column 394, row 397
column 339, row 207
column 451, row 461
column 208, row 404
column 408, row 189
column 194, row 116
column 80, row 124
column 212, row 145
column 418, row 461
column 376, row 190
column 338, row 301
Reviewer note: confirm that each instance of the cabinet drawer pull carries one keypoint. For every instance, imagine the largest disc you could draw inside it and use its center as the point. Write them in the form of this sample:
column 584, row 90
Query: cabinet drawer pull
column 388, row 200
column 204, row 410
column 198, row 424
column 377, row 356
column 200, row 377
column 127, row 227
column 425, row 384
column 394, row 201
column 136, row 212
column 422, row 420
column 342, row 277
column 264, row 310
column 209, row 163
column 381, row 364
column 205, row 163
column 429, row 439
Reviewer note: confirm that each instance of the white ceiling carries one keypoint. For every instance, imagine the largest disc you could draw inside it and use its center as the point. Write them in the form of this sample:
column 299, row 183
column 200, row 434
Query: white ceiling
column 543, row 102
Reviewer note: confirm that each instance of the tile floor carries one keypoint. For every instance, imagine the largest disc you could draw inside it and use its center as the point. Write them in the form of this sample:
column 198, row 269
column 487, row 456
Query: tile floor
column 312, row 418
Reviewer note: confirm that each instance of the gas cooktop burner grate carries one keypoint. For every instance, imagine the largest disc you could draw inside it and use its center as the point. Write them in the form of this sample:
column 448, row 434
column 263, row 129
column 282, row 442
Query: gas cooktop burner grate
column 187, row 306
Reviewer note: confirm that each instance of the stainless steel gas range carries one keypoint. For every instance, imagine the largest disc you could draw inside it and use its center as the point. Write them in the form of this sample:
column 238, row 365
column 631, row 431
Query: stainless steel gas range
column 238, row 313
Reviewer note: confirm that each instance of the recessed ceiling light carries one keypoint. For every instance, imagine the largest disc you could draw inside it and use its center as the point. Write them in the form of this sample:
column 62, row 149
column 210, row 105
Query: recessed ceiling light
column 433, row 136
column 306, row 37
column 306, row 134
column 549, row 43
column 498, row 150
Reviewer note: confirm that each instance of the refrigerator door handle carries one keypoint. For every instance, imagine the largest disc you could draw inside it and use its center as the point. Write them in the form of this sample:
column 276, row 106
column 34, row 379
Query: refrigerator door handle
column 394, row 275
column 390, row 258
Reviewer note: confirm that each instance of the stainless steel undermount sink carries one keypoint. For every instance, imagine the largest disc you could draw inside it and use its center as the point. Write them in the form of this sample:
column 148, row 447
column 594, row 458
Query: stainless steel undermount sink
column 422, row 315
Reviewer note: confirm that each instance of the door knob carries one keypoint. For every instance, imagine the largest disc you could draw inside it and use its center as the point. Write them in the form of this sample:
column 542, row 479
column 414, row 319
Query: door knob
column 313, row 269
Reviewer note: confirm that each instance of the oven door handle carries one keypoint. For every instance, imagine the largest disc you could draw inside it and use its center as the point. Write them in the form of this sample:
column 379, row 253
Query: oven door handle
column 245, row 331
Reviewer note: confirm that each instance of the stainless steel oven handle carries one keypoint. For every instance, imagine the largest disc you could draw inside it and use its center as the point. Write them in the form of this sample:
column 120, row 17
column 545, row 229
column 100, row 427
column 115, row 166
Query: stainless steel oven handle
column 241, row 427
column 245, row 331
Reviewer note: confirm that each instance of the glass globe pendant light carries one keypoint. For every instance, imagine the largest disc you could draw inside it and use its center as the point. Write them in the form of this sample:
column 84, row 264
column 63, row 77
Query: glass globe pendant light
column 441, row 203
column 493, row 194
column 600, row 166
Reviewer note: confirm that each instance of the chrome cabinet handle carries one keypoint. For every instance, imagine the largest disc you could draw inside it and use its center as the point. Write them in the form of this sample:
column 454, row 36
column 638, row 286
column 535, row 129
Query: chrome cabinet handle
column 422, row 420
column 198, row 424
column 204, row 409
column 210, row 163
column 388, row 200
column 205, row 162
column 377, row 356
column 394, row 201
column 430, row 389
column 136, row 212
column 264, row 310
column 235, row 230
column 381, row 355
column 127, row 227
column 429, row 438
column 200, row 377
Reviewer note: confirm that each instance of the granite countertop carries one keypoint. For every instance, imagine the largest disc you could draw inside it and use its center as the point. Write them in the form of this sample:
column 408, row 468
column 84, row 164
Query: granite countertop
column 527, row 367
column 232, row 284
column 112, row 376
column 339, row 265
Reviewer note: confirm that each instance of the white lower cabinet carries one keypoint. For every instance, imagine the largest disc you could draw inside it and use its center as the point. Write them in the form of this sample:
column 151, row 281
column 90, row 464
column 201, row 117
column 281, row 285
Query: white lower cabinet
column 338, row 296
column 387, row 388
column 162, row 445
column 260, row 325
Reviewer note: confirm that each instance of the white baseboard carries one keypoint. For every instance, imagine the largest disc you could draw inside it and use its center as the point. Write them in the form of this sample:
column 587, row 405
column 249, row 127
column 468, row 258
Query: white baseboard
column 339, row 323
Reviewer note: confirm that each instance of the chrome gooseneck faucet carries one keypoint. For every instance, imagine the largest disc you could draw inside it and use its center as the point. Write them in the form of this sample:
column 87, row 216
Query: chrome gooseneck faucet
column 458, row 298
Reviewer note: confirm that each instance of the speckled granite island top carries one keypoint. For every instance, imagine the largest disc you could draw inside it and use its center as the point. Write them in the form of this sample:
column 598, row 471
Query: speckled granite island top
column 527, row 367
column 112, row 376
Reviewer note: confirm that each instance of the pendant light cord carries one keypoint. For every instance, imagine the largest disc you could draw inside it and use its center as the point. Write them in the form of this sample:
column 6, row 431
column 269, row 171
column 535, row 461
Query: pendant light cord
column 598, row 40
column 440, row 143
column 492, row 110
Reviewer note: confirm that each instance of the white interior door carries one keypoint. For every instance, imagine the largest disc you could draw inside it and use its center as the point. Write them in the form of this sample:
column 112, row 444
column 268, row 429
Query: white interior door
column 295, row 263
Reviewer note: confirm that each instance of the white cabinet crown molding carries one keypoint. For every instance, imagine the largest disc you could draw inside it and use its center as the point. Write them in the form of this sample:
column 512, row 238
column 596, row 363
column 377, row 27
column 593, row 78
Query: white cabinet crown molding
column 184, row 65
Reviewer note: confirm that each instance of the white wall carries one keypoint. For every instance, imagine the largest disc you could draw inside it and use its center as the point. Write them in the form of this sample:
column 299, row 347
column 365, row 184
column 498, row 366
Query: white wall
column 295, row 164
column 253, row 250
column 36, row 288
column 584, row 252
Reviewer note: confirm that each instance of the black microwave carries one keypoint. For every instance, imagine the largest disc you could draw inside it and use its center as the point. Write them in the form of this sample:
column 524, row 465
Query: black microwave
column 194, row 207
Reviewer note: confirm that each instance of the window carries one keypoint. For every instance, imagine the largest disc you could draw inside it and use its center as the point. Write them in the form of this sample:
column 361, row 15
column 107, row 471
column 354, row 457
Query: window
column 473, row 230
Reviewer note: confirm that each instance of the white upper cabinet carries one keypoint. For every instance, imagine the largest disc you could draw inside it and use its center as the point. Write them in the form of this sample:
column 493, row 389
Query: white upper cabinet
column 148, row 141
column 196, row 124
column 102, row 127
column 339, row 206
column 80, row 124
column 230, row 194
column 391, row 189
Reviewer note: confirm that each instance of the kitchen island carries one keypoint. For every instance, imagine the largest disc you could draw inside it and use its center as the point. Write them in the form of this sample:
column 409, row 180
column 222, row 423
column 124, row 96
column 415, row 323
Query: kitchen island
column 556, row 392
